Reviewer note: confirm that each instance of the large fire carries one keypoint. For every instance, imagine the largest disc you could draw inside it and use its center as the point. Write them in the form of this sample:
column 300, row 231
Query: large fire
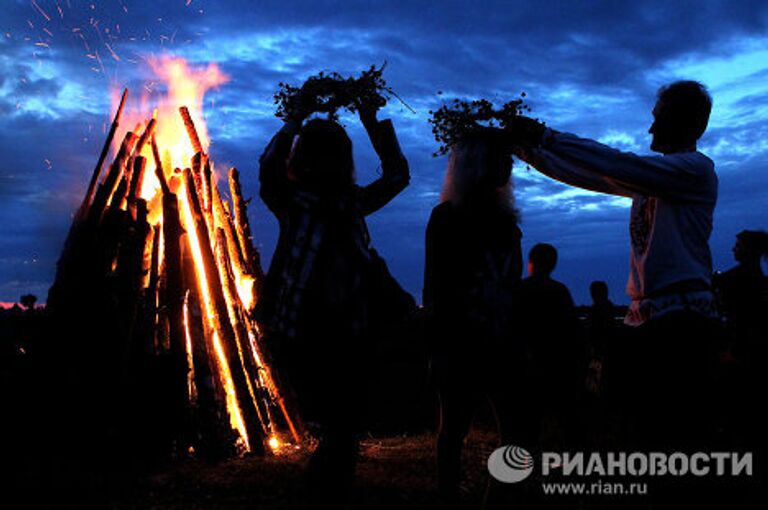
column 165, row 147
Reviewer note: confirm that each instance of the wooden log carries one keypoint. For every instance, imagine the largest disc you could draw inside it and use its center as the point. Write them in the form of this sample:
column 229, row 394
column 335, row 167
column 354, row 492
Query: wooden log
column 208, row 185
column 146, row 319
column 174, row 294
column 242, row 226
column 107, row 187
column 213, row 439
column 135, row 173
column 130, row 268
column 104, row 151
column 174, row 183
column 223, row 218
column 189, row 124
column 174, row 289
column 198, row 160
column 118, row 197
column 152, row 287
column 137, row 180
column 159, row 169
column 237, row 317
column 222, row 323
column 146, row 136
column 268, row 392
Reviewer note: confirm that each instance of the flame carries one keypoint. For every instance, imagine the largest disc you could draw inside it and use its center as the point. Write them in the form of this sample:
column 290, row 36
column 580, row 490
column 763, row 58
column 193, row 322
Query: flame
column 185, row 86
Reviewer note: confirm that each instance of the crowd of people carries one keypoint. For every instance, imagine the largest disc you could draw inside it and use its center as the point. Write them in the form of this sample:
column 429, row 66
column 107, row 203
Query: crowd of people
column 495, row 336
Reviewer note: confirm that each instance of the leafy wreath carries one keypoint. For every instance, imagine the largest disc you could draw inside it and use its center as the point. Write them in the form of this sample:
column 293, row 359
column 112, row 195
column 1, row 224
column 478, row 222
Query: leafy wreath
column 330, row 92
column 451, row 122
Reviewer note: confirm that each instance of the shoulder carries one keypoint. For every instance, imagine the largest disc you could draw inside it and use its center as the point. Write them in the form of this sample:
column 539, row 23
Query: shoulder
column 561, row 289
column 440, row 218
column 694, row 162
column 442, row 212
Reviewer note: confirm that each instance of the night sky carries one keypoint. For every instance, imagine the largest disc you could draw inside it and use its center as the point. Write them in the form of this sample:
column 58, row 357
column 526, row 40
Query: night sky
column 591, row 68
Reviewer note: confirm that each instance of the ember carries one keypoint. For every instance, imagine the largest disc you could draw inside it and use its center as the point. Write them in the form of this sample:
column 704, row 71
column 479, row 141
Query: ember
column 155, row 238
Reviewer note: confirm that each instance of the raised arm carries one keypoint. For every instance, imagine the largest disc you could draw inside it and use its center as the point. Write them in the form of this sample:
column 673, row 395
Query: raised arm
column 275, row 186
column 395, row 174
column 273, row 167
column 594, row 166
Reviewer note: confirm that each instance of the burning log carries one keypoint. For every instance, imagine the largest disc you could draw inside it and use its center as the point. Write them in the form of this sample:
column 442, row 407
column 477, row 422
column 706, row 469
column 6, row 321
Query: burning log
column 240, row 209
column 137, row 180
column 222, row 325
column 146, row 136
column 118, row 197
column 174, row 300
column 159, row 169
column 191, row 131
column 130, row 271
column 237, row 259
column 207, row 178
column 104, row 152
column 198, row 160
column 209, row 405
column 238, row 320
column 107, row 187
column 150, row 293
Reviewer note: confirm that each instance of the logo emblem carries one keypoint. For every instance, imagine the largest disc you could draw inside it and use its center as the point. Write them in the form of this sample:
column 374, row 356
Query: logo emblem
column 510, row 464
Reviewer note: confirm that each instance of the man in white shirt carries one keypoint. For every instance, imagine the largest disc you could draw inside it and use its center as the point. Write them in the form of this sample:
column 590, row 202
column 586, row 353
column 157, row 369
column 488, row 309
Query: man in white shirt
column 673, row 199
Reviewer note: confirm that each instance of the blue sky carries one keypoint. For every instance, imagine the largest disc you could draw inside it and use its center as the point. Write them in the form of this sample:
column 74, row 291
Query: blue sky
column 591, row 68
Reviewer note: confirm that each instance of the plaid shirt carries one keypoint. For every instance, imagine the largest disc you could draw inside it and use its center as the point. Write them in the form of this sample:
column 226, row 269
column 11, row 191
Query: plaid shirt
column 305, row 219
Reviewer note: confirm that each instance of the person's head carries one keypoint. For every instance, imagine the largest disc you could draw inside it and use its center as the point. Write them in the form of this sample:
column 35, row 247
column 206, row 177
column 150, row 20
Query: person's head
column 542, row 260
column 321, row 158
column 680, row 116
column 599, row 291
column 479, row 171
column 751, row 246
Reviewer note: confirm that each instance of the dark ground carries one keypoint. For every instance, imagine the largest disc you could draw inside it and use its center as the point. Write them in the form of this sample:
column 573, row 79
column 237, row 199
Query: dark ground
column 394, row 472
column 396, row 469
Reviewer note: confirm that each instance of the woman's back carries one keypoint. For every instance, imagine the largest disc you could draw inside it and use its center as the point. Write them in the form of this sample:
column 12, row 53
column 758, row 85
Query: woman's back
column 474, row 261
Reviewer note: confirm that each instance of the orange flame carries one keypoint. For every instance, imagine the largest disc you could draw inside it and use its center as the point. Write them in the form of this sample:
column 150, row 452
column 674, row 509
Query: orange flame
column 185, row 86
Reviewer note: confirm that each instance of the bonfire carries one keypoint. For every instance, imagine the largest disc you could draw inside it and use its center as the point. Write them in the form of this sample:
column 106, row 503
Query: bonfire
column 174, row 264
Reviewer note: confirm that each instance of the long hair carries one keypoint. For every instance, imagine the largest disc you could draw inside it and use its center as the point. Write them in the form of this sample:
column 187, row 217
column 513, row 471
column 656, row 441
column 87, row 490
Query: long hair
column 321, row 158
column 479, row 173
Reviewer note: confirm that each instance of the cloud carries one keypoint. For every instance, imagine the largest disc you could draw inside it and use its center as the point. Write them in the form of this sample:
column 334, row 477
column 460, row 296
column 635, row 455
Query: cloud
column 588, row 67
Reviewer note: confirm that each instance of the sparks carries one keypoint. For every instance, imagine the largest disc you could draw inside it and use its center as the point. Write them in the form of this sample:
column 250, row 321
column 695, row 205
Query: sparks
column 112, row 52
column 42, row 12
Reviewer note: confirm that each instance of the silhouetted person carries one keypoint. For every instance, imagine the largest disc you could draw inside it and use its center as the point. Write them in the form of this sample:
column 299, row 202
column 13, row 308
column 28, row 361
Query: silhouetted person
column 601, row 313
column 552, row 334
column 743, row 292
column 473, row 261
column 743, row 297
column 314, row 305
column 28, row 301
column 601, row 329
column 673, row 199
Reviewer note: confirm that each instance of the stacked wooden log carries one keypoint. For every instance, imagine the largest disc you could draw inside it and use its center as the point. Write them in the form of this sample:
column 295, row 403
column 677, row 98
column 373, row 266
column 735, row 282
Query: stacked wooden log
column 167, row 348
